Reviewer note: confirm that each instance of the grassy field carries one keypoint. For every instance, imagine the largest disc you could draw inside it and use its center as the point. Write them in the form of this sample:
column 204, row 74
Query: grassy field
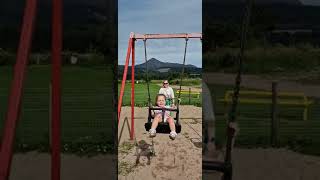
column 275, row 60
column 255, row 124
column 86, row 108
column 141, row 95
column 185, row 82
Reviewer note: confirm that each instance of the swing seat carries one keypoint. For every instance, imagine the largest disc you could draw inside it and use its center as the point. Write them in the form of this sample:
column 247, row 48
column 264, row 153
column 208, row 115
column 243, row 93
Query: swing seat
column 223, row 167
column 163, row 127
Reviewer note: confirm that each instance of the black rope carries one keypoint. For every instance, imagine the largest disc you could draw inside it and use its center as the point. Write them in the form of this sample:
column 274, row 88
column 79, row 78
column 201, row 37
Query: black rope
column 184, row 62
column 233, row 110
column 147, row 77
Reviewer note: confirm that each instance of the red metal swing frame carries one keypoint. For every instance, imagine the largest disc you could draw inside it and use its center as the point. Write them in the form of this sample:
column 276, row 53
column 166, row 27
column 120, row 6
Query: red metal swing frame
column 131, row 51
column 16, row 91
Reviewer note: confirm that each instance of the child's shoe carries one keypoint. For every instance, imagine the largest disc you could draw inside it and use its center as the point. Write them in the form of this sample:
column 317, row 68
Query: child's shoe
column 152, row 133
column 172, row 135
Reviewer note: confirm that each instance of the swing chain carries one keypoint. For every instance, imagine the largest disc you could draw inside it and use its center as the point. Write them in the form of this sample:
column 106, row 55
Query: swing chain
column 231, row 129
column 147, row 77
column 183, row 67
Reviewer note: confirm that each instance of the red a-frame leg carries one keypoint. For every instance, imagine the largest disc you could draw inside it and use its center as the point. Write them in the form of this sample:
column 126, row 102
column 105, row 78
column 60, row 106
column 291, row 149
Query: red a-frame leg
column 56, row 88
column 132, row 90
column 16, row 91
column 124, row 78
column 131, row 49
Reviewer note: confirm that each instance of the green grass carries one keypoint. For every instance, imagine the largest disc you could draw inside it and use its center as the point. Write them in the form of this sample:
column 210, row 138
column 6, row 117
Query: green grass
column 255, row 122
column 86, row 123
column 259, row 60
column 185, row 82
column 141, row 95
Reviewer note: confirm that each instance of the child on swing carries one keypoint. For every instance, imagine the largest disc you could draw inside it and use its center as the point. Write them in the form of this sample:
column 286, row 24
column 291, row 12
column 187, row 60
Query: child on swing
column 161, row 102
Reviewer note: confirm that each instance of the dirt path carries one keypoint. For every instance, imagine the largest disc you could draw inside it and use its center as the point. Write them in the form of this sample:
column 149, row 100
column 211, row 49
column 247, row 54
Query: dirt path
column 253, row 81
column 36, row 166
column 178, row 159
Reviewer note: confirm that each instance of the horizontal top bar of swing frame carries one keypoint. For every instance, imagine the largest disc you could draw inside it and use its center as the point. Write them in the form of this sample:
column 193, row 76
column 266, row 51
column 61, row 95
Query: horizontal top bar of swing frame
column 166, row 36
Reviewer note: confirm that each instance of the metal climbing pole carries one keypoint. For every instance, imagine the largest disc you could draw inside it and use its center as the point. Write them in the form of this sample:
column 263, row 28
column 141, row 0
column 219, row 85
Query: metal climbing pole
column 16, row 91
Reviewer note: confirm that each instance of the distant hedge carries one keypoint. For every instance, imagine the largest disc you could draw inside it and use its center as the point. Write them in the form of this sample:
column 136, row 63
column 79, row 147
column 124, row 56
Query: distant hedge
column 9, row 58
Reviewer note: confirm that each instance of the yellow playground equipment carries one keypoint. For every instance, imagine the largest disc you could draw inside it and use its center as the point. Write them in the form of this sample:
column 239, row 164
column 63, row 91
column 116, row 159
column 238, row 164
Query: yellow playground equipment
column 189, row 93
column 265, row 97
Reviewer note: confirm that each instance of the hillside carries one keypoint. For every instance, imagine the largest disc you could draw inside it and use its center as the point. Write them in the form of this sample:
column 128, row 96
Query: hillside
column 155, row 64
column 157, row 68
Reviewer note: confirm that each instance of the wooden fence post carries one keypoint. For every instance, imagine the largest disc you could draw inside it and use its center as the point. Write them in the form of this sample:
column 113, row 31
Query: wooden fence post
column 274, row 118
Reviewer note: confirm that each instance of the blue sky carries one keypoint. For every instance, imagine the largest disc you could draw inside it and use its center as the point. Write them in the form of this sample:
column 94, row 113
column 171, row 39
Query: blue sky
column 161, row 16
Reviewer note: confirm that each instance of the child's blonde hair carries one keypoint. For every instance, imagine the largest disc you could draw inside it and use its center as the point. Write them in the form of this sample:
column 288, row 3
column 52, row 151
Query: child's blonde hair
column 158, row 95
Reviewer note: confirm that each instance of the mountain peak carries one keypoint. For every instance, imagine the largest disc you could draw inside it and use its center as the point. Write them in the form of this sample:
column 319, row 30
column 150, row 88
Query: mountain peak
column 153, row 60
column 154, row 64
column 157, row 66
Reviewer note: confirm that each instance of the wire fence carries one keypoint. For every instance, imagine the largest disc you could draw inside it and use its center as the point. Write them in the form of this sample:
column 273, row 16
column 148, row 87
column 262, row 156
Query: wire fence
column 255, row 123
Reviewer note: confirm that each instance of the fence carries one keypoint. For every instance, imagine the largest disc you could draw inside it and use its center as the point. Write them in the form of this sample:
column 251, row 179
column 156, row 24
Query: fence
column 273, row 99
column 270, row 117
column 265, row 97
column 190, row 94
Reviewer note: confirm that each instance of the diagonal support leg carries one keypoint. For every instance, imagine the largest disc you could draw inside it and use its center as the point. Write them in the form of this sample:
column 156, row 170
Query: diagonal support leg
column 16, row 91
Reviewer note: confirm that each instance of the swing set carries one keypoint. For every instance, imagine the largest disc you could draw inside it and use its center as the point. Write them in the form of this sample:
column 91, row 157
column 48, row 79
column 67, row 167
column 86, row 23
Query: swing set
column 225, row 167
column 163, row 127
column 16, row 90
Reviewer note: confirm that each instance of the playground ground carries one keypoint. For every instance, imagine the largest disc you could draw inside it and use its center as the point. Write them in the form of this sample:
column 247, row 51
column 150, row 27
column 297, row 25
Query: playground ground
column 178, row 159
column 249, row 164
column 266, row 164
column 37, row 166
